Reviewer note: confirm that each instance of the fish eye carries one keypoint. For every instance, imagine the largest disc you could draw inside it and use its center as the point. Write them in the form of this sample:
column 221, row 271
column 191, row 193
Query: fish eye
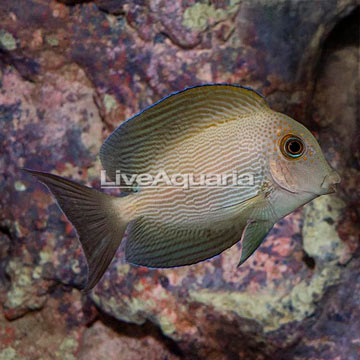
column 292, row 147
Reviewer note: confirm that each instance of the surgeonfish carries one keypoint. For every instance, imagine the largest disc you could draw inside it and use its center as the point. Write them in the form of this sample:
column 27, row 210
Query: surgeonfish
column 206, row 129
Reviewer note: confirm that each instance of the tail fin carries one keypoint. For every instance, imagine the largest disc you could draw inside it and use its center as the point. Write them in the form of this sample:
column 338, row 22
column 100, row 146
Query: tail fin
column 99, row 226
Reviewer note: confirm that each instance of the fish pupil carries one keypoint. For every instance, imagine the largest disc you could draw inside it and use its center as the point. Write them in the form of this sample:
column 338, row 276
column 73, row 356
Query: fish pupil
column 294, row 147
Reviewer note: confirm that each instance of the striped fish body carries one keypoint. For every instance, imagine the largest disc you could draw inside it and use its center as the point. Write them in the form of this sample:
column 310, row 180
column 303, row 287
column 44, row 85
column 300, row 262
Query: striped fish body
column 206, row 130
column 203, row 130
column 221, row 149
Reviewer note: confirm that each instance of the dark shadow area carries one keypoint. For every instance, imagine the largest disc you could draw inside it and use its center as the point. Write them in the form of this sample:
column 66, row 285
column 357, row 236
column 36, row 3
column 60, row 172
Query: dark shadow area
column 309, row 261
column 345, row 33
column 139, row 331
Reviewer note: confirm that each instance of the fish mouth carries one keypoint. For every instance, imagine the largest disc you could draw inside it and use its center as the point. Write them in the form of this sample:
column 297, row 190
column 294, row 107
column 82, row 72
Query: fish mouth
column 330, row 190
column 328, row 186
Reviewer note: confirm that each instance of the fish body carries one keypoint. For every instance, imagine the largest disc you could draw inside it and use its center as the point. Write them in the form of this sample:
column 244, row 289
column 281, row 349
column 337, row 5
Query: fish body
column 206, row 131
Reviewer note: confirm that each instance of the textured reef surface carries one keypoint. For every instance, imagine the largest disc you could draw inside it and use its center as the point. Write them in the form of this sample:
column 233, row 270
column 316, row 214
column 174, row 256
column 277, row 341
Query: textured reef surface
column 70, row 72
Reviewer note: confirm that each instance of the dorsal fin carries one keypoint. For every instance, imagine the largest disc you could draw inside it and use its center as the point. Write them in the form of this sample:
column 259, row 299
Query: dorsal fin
column 133, row 147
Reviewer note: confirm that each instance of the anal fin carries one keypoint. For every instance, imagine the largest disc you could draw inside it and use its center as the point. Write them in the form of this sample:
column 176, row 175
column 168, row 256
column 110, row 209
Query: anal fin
column 160, row 245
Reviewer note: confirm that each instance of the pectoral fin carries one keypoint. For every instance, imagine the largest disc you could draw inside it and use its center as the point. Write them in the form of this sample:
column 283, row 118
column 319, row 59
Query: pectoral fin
column 252, row 236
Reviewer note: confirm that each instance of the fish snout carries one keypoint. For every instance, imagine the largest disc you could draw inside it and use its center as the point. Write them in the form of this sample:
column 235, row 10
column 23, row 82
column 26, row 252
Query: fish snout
column 328, row 185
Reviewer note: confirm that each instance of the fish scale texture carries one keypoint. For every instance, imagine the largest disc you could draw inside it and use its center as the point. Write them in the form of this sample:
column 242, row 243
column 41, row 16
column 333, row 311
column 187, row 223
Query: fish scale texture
column 70, row 72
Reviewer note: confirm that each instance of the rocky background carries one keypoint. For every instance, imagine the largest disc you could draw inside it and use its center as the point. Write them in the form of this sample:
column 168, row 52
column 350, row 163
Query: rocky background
column 70, row 72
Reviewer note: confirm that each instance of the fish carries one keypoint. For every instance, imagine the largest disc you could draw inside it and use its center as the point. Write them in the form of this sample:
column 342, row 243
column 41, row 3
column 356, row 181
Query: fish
column 204, row 130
